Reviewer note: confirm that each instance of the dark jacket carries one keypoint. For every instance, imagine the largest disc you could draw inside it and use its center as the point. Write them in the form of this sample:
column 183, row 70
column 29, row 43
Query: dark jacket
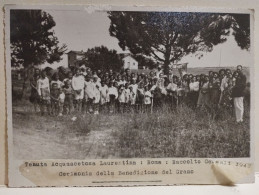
column 239, row 89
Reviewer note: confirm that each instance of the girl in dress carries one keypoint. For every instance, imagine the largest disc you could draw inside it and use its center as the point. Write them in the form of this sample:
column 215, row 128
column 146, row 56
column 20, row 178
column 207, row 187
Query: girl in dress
column 147, row 100
column 140, row 97
column 44, row 93
column 68, row 101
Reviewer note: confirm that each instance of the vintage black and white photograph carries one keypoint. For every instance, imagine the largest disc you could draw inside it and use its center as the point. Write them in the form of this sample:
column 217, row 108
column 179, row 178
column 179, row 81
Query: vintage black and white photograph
column 112, row 84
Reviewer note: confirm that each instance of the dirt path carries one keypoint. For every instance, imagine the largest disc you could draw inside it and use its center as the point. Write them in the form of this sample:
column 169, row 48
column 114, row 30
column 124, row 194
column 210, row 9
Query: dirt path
column 37, row 137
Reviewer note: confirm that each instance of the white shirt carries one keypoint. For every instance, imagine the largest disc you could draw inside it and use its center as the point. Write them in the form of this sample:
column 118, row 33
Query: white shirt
column 122, row 96
column 97, row 95
column 59, row 83
column 127, row 95
column 224, row 83
column 134, row 87
column 148, row 96
column 104, row 91
column 113, row 91
column 42, row 83
column 78, row 82
column 97, row 83
column 194, row 86
column 89, row 89
column 171, row 87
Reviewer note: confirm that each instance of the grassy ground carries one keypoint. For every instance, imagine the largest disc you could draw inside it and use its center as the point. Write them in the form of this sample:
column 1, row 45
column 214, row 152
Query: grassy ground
column 182, row 133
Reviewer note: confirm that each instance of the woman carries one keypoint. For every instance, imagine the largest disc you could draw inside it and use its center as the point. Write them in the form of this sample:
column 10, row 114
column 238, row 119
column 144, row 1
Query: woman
column 194, row 91
column 214, row 90
column 226, row 97
column 203, row 99
column 186, row 88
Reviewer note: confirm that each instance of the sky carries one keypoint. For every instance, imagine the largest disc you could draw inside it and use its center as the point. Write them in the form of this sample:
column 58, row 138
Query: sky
column 81, row 30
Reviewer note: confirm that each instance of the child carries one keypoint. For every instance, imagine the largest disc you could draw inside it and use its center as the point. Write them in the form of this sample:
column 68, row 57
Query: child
column 56, row 80
column 113, row 95
column 127, row 97
column 180, row 92
column 97, row 96
column 134, row 87
column 78, row 87
column 44, row 92
column 61, row 102
column 54, row 94
column 147, row 101
column 96, row 80
column 172, row 93
column 68, row 101
column 132, row 98
column 69, row 78
column 89, row 92
column 122, row 98
column 140, row 97
column 104, row 95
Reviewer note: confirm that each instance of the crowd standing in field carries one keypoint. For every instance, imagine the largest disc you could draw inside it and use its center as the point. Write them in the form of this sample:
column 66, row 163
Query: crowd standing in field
column 86, row 91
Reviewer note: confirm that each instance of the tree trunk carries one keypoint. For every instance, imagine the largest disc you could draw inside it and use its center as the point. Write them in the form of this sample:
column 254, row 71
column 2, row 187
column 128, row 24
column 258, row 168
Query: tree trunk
column 167, row 60
column 26, row 76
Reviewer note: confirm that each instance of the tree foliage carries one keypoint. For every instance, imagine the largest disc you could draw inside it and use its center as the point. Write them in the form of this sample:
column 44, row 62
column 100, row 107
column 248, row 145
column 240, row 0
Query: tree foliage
column 102, row 58
column 168, row 36
column 33, row 40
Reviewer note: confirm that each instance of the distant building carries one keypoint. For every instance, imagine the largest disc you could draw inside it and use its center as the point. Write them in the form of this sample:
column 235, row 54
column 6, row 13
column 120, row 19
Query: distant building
column 75, row 58
column 129, row 62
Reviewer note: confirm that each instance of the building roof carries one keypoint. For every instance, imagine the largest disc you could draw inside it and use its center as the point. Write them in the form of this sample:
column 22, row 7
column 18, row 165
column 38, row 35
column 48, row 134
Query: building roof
column 76, row 52
column 124, row 55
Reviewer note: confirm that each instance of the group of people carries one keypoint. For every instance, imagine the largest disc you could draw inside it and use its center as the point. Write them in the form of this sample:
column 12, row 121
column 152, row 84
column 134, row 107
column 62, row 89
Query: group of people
column 89, row 91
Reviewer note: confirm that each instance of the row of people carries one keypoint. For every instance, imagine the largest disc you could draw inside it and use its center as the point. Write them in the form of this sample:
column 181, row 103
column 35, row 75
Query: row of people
column 119, row 92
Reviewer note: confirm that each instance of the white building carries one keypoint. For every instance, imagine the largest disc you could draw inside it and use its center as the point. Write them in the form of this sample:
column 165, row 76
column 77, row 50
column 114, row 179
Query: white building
column 130, row 63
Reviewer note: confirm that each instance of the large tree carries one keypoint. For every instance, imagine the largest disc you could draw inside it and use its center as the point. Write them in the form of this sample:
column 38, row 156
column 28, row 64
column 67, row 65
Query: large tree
column 33, row 39
column 102, row 58
column 168, row 36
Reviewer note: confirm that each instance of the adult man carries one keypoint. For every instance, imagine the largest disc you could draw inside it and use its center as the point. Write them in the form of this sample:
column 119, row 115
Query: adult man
column 238, row 93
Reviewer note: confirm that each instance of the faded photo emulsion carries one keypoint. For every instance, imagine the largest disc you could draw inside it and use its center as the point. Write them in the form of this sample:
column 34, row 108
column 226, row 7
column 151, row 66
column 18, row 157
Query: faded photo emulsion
column 92, row 90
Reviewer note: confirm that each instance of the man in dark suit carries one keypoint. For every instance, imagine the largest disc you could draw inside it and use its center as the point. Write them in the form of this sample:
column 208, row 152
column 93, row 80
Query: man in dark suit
column 238, row 93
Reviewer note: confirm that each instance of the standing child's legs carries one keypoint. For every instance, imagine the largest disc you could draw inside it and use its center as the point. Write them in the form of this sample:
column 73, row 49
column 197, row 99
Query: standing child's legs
column 61, row 105
column 45, row 105
column 112, row 104
column 90, row 105
column 96, row 108
column 79, row 105
column 76, row 105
